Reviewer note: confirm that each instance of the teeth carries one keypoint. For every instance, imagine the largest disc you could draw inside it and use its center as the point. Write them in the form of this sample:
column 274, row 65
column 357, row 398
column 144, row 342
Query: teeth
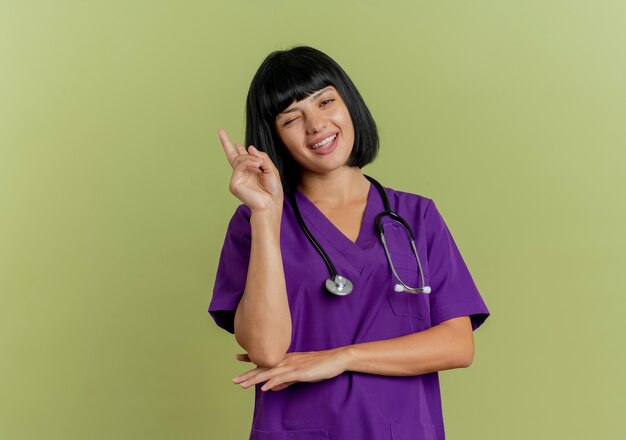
column 325, row 141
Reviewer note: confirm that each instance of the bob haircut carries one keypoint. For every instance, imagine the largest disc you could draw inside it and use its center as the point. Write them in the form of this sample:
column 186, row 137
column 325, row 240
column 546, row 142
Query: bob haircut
column 294, row 74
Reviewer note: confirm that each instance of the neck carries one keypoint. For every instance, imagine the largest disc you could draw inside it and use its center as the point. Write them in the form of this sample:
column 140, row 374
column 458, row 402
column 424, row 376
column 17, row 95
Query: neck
column 344, row 185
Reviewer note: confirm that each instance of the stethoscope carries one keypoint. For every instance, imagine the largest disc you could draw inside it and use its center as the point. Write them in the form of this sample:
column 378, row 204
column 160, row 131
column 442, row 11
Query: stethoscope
column 340, row 285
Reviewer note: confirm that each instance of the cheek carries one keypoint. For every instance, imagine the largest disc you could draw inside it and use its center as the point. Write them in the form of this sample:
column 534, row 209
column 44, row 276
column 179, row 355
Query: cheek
column 285, row 138
column 293, row 145
column 347, row 122
column 291, row 142
column 349, row 130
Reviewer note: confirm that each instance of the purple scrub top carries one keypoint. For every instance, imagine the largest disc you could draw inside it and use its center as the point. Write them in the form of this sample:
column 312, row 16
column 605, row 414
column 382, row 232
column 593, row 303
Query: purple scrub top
column 353, row 405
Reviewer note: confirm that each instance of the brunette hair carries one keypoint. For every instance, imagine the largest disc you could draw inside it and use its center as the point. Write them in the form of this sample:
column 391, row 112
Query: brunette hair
column 294, row 74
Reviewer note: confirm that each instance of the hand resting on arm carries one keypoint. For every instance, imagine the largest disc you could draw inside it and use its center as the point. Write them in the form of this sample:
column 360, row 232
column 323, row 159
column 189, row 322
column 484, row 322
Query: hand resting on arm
column 445, row 346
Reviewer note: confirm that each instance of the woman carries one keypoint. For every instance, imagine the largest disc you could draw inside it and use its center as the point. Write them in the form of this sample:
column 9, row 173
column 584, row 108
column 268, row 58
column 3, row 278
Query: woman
column 354, row 357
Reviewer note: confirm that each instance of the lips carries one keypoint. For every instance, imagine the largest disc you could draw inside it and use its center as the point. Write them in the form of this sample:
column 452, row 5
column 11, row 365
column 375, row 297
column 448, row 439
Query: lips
column 320, row 139
column 328, row 147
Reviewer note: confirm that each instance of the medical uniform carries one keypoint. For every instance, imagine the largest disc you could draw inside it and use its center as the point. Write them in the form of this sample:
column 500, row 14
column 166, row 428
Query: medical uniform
column 353, row 405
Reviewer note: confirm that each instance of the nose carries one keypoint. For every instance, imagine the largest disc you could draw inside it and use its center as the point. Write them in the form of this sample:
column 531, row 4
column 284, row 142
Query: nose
column 315, row 124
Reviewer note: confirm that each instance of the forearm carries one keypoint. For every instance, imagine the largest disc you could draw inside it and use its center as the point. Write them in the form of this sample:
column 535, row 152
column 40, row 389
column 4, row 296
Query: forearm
column 262, row 319
column 442, row 347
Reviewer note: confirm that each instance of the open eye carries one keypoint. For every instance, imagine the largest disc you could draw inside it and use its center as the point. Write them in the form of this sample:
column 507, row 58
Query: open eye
column 327, row 101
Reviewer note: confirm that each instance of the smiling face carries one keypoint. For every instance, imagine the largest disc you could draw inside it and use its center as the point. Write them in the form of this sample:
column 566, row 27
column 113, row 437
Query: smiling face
column 317, row 131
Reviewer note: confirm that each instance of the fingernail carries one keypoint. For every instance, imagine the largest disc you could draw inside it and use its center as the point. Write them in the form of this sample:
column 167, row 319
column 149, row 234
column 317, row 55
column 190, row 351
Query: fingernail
column 235, row 378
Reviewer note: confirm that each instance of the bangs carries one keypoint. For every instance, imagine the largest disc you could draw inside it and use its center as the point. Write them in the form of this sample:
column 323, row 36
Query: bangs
column 288, row 81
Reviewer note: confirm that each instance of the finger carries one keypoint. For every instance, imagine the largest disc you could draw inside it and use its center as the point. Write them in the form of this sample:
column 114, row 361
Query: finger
column 255, row 151
column 240, row 149
column 242, row 163
column 248, row 375
column 243, row 357
column 264, row 375
column 268, row 165
column 277, row 383
column 280, row 387
column 242, row 159
column 286, row 375
column 252, row 150
column 229, row 149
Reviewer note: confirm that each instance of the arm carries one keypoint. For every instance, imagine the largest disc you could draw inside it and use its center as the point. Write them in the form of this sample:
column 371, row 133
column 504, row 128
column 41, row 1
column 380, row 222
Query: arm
column 263, row 319
column 445, row 346
column 262, row 322
column 442, row 347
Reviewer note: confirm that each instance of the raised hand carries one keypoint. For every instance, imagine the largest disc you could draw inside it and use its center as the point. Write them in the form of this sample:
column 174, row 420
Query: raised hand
column 255, row 180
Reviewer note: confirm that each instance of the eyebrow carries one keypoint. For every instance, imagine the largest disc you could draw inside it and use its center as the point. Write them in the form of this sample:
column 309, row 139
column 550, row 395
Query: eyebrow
column 311, row 98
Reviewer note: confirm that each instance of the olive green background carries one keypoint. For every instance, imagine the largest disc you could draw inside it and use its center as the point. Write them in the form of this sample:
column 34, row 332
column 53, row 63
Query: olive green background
column 114, row 201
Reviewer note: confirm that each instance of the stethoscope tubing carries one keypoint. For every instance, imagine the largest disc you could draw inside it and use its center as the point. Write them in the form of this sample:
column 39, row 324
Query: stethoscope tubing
column 339, row 285
column 314, row 242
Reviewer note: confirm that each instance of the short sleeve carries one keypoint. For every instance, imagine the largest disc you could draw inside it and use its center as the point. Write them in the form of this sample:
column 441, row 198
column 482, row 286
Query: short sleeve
column 453, row 291
column 232, row 270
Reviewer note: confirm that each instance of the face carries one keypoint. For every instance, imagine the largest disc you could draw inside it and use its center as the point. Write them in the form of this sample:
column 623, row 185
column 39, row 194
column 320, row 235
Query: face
column 317, row 131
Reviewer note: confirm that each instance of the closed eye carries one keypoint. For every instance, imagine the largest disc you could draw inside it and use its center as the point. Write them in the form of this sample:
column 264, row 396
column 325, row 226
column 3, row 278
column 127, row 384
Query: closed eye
column 289, row 121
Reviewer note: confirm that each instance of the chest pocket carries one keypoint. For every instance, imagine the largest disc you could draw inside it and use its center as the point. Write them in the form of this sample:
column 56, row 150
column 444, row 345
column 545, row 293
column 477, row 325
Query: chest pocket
column 404, row 304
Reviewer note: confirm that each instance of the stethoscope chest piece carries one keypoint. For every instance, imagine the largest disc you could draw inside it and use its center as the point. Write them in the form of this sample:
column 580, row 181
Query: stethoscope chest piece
column 338, row 285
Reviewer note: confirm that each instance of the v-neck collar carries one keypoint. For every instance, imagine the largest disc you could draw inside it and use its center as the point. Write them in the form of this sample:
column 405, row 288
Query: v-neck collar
column 325, row 230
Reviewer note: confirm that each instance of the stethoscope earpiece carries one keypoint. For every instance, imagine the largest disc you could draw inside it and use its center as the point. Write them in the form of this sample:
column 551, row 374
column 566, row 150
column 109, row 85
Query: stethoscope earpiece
column 400, row 288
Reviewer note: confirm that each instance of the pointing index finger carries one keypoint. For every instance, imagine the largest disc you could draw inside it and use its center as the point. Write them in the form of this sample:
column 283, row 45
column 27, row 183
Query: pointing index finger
column 229, row 149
